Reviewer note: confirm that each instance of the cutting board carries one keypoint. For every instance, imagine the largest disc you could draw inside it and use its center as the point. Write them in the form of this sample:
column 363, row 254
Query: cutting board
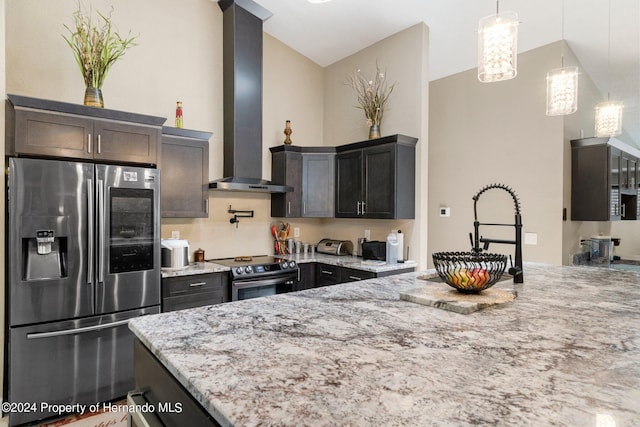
column 443, row 296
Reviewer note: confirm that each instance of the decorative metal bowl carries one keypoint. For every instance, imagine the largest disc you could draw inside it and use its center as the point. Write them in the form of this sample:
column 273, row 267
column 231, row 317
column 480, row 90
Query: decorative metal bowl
column 469, row 272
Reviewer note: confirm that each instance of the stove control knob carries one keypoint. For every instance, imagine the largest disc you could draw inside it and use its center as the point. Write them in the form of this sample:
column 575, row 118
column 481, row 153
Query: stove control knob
column 292, row 264
column 248, row 269
column 285, row 265
column 239, row 270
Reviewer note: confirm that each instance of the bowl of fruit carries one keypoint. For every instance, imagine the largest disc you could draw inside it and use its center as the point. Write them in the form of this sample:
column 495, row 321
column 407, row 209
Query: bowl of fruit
column 469, row 272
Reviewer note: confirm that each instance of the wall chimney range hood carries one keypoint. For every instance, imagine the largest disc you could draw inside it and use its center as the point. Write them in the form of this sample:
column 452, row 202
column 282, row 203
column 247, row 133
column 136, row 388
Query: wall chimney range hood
column 242, row 77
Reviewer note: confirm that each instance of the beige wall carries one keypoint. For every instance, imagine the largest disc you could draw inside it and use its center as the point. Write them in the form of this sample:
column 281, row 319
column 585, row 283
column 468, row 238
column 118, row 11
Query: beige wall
column 404, row 56
column 179, row 57
column 485, row 133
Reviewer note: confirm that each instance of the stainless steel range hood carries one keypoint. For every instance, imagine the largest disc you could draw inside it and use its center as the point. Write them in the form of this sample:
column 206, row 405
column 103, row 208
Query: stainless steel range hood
column 242, row 78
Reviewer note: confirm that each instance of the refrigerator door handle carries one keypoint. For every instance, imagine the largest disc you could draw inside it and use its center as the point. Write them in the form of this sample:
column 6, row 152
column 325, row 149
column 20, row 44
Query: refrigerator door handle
column 51, row 334
column 101, row 231
column 90, row 231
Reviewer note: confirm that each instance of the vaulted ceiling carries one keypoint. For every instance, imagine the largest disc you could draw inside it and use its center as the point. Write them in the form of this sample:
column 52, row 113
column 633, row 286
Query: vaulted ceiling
column 327, row 32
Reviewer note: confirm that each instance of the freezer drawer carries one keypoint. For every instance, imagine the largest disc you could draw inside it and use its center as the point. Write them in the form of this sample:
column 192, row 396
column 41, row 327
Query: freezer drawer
column 82, row 361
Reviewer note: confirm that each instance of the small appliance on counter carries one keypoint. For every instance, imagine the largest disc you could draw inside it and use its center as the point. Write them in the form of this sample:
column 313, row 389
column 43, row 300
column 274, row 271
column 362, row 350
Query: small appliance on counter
column 175, row 253
column 374, row 250
column 335, row 247
column 361, row 240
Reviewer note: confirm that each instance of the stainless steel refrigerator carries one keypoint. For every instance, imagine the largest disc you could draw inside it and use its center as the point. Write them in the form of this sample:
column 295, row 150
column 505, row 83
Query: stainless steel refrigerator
column 83, row 257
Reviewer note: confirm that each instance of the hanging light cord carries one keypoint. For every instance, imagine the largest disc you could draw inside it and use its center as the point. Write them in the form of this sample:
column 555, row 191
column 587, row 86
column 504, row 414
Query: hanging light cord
column 562, row 45
column 609, row 56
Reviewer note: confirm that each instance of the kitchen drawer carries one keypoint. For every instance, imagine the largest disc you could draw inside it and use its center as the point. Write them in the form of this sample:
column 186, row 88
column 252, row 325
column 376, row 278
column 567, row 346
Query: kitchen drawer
column 194, row 290
column 352, row 275
column 327, row 275
column 192, row 300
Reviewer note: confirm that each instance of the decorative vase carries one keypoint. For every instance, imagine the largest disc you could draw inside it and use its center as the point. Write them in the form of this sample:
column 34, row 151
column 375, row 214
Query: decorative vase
column 374, row 131
column 93, row 97
column 287, row 132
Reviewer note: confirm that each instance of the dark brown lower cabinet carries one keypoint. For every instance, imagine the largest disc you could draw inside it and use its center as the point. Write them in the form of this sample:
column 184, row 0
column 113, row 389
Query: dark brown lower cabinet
column 327, row 275
column 196, row 290
column 175, row 406
column 307, row 276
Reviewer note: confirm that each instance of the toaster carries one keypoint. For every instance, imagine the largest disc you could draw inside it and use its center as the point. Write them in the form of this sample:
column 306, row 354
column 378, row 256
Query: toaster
column 335, row 247
column 374, row 250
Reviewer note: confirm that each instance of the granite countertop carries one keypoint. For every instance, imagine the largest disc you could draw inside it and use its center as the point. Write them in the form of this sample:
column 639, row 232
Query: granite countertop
column 343, row 261
column 194, row 268
column 566, row 352
column 351, row 262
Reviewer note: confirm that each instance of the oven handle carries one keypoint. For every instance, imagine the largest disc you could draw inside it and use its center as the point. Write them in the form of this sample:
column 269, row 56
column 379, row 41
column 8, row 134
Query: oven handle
column 263, row 282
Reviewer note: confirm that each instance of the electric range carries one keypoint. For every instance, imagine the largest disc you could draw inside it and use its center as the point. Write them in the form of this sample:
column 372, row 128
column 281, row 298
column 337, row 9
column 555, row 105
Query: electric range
column 257, row 276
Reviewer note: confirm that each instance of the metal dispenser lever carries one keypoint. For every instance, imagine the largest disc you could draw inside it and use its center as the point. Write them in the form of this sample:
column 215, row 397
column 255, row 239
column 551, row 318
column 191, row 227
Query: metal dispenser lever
column 44, row 239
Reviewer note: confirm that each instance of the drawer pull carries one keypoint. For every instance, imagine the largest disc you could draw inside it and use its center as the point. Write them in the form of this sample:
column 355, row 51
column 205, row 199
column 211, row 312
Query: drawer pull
column 355, row 278
column 195, row 285
column 327, row 272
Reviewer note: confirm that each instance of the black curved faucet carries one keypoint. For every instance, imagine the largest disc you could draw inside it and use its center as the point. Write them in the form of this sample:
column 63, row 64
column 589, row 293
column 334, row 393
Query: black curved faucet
column 516, row 268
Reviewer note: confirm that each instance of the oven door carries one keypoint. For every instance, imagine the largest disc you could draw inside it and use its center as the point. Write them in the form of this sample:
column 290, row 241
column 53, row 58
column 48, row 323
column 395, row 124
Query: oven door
column 262, row 287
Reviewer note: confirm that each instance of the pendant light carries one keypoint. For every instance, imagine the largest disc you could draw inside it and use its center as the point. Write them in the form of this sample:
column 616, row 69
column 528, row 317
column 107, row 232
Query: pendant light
column 562, row 86
column 608, row 121
column 498, row 46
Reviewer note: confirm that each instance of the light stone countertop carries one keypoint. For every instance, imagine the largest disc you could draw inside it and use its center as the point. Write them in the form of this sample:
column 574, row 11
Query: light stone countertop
column 351, row 262
column 194, row 268
column 343, row 261
column 566, row 352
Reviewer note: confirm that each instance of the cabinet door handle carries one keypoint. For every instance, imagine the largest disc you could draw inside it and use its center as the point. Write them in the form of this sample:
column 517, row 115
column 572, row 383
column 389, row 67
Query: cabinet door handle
column 289, row 207
column 330, row 273
column 206, row 206
column 304, row 208
column 89, row 143
column 358, row 208
column 99, row 145
column 197, row 284
column 355, row 278
column 363, row 208
column 624, row 211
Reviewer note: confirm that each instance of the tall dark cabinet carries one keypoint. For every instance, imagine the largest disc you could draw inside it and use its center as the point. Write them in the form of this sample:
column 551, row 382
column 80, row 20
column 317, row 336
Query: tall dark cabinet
column 184, row 165
column 604, row 181
column 376, row 178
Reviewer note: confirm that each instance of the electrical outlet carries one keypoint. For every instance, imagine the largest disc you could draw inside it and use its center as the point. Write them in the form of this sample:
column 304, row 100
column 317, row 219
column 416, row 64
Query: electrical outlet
column 445, row 211
column 296, row 231
column 367, row 234
column 175, row 234
column 530, row 238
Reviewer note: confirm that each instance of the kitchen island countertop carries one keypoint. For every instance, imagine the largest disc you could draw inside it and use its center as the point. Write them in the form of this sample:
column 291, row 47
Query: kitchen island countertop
column 566, row 352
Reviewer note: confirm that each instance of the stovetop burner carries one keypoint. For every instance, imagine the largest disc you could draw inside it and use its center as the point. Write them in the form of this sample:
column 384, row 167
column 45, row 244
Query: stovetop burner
column 257, row 266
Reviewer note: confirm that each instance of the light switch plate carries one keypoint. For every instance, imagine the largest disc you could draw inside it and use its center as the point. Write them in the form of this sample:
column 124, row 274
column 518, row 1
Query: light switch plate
column 367, row 234
column 296, row 231
column 175, row 234
column 530, row 238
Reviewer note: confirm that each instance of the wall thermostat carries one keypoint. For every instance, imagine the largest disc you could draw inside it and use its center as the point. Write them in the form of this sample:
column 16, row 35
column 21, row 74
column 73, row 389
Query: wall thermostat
column 445, row 211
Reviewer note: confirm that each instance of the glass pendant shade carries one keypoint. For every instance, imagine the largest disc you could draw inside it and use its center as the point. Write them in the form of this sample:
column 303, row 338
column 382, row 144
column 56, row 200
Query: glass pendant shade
column 562, row 91
column 609, row 118
column 498, row 47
